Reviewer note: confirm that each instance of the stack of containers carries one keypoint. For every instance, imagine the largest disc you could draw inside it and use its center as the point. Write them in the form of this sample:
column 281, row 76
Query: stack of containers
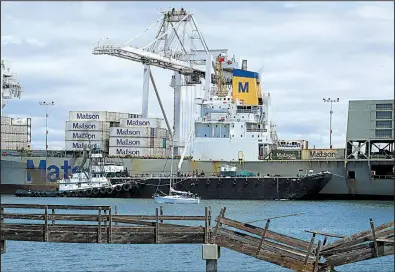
column 91, row 128
column 15, row 133
column 139, row 137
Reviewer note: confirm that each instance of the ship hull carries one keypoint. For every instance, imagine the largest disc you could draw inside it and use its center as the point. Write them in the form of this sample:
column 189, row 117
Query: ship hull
column 15, row 170
column 233, row 188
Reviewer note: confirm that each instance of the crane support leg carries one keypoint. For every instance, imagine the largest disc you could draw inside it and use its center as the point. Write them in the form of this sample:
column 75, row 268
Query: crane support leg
column 144, row 106
column 177, row 112
column 161, row 105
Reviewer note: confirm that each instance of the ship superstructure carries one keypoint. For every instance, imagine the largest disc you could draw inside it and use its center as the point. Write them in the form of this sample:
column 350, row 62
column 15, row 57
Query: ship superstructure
column 15, row 132
column 234, row 122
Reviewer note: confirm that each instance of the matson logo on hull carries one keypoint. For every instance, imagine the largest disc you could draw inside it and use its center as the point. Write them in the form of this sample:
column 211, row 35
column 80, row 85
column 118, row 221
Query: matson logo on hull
column 52, row 171
column 322, row 154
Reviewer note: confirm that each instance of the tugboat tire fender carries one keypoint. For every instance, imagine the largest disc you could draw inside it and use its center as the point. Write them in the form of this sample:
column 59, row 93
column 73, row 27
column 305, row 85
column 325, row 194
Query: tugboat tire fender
column 126, row 187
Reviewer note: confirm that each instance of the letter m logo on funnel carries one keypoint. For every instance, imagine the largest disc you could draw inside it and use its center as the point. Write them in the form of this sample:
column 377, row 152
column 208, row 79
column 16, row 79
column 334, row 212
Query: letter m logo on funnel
column 243, row 89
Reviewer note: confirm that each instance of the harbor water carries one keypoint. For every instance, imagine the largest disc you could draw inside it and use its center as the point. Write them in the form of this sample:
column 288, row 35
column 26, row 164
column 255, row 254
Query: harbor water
column 338, row 217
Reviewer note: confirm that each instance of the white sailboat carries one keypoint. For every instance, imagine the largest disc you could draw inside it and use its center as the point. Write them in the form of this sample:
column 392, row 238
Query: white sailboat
column 176, row 197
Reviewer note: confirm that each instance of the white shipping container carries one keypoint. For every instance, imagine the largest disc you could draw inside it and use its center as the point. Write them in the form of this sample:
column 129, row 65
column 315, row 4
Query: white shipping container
column 88, row 116
column 141, row 122
column 138, row 132
column 79, row 145
column 5, row 120
column 5, row 128
column 88, row 125
column 14, row 145
column 137, row 142
column 137, row 151
column 85, row 135
column 8, row 137
column 20, row 121
column 18, row 129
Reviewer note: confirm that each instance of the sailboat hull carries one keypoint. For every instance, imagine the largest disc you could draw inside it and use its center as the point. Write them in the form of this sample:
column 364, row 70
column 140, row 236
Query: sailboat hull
column 175, row 200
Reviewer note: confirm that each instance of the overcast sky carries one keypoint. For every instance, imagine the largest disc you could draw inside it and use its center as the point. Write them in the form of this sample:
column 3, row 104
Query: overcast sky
column 308, row 51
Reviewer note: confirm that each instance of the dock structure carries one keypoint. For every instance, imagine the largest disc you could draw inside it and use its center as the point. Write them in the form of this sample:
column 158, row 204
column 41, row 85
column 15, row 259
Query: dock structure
column 103, row 224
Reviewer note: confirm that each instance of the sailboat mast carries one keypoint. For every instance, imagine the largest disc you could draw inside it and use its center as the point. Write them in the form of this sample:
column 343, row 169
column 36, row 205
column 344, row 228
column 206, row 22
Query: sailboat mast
column 171, row 165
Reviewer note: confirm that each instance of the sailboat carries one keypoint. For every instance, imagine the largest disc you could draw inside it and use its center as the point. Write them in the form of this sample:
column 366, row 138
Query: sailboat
column 176, row 197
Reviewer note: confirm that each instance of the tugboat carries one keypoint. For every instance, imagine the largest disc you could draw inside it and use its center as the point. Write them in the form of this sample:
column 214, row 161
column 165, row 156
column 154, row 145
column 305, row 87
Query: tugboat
column 99, row 179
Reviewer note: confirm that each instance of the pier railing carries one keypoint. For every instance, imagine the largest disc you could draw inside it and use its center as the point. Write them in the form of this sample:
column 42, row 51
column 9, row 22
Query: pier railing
column 100, row 225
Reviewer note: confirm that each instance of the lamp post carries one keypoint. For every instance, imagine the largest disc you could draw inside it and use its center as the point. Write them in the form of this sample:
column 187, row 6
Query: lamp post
column 46, row 105
column 330, row 118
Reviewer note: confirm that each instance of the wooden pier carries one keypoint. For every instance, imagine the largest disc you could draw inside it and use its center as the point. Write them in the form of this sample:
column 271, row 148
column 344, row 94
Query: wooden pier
column 102, row 224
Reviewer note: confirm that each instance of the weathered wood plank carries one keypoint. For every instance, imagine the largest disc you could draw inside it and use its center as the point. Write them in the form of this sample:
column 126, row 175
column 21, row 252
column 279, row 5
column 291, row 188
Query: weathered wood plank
column 92, row 217
column 218, row 224
column 58, row 207
column 297, row 243
column 357, row 237
column 376, row 252
column 269, row 245
column 357, row 255
column 366, row 238
column 325, row 234
column 264, row 254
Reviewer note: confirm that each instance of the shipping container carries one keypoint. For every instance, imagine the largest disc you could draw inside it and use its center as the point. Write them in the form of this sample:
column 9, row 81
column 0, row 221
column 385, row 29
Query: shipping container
column 86, row 135
column 14, row 145
column 88, row 116
column 138, row 152
column 286, row 155
column 8, row 137
column 21, row 121
column 142, row 122
column 323, row 154
column 292, row 144
column 79, row 145
column 88, row 125
column 5, row 120
column 138, row 132
column 137, row 142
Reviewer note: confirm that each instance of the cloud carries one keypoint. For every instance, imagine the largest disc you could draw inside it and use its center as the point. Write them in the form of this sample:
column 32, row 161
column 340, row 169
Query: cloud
column 308, row 51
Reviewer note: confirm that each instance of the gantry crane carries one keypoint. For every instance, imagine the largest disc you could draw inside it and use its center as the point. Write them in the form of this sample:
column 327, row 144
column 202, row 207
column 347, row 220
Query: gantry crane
column 178, row 46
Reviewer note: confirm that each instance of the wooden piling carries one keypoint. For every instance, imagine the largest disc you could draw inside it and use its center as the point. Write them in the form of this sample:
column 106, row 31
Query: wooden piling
column 46, row 224
column 317, row 257
column 376, row 249
column 218, row 225
column 109, row 234
column 116, row 213
column 206, row 226
column 2, row 242
column 161, row 213
column 308, row 251
column 53, row 218
column 263, row 237
column 99, row 226
column 211, row 266
column 157, row 226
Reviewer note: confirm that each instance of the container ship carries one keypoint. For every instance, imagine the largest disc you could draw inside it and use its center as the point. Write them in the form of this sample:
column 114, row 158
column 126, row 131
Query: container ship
column 234, row 127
